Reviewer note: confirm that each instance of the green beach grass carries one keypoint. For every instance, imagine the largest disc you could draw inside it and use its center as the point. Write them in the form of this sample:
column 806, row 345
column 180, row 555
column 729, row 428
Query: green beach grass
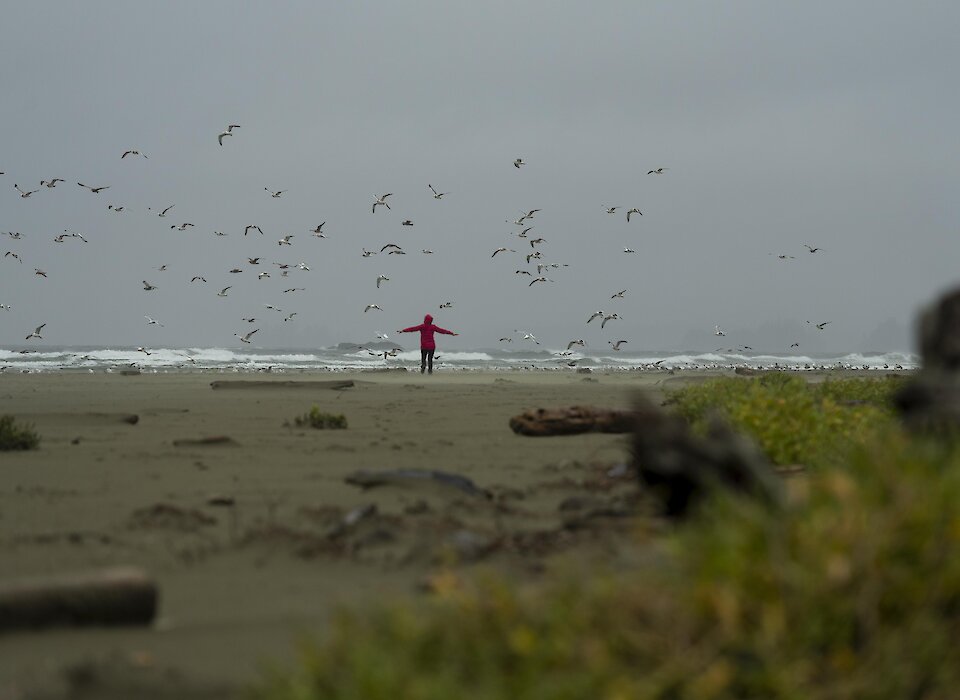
column 851, row 590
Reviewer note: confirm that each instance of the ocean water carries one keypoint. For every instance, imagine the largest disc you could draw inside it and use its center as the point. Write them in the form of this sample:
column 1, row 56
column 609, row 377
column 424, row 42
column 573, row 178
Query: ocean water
column 52, row 359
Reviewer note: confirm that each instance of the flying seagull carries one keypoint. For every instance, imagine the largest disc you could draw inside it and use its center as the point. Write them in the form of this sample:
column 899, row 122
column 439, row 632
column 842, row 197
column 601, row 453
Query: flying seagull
column 95, row 190
column 595, row 314
column 609, row 317
column 381, row 200
column 153, row 322
column 164, row 212
column 132, row 153
column 371, row 306
column 147, row 287
column 182, row 227
column 382, row 278
column 619, row 295
column 575, row 342
column 228, row 132
column 658, row 171
column 502, row 250
column 246, row 337
column 318, row 231
column 821, row 326
column 616, row 345
column 436, row 195
column 24, row 194
column 13, row 255
column 248, row 227
column 612, row 210
column 633, row 211
column 811, row 248
column 36, row 332
column 51, row 183
column 629, row 250
column 275, row 195
column 285, row 240
column 406, row 222
column 223, row 292
column 446, row 305
column 518, row 162
column 717, row 331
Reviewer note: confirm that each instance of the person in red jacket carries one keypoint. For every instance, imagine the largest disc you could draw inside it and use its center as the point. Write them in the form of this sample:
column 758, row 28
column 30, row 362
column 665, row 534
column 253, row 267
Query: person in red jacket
column 427, row 344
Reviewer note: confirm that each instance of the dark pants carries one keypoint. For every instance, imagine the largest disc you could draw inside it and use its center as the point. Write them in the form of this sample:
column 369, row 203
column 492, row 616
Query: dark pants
column 426, row 360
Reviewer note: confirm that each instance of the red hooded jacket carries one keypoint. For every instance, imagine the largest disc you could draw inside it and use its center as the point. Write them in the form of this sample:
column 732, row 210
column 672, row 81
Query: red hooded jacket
column 427, row 329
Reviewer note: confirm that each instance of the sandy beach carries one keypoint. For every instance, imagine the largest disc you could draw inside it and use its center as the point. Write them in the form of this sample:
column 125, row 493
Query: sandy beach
column 248, row 539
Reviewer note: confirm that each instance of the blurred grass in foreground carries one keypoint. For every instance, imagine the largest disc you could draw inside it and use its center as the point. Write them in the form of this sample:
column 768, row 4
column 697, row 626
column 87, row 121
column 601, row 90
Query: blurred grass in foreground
column 851, row 591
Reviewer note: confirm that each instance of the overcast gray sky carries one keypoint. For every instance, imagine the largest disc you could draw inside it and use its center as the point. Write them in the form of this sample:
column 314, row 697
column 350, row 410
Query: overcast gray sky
column 826, row 123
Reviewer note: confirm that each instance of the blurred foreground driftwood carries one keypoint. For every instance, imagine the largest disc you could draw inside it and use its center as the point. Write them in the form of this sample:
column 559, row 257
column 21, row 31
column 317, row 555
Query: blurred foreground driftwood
column 571, row 421
column 109, row 597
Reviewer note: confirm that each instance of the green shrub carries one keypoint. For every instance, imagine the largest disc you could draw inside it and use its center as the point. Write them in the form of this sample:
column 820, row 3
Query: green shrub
column 321, row 420
column 851, row 591
column 793, row 421
column 16, row 437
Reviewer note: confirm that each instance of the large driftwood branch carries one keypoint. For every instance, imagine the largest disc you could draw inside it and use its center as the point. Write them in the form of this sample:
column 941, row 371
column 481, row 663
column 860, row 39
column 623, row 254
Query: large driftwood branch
column 267, row 384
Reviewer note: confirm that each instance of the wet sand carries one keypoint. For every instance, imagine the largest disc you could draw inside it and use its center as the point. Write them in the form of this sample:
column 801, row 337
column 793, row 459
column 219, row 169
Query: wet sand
column 248, row 540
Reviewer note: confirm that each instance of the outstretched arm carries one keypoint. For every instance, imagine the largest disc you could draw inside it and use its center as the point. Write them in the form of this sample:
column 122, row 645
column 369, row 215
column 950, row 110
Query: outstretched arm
column 438, row 329
column 411, row 329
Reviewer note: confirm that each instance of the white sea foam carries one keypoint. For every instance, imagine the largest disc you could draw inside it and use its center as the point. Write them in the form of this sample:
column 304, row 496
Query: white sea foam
column 332, row 359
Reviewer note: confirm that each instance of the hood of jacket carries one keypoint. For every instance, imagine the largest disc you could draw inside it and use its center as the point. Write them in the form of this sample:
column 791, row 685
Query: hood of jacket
column 428, row 319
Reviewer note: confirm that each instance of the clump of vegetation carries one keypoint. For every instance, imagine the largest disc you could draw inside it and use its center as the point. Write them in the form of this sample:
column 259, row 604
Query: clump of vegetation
column 853, row 590
column 16, row 437
column 321, row 420
column 794, row 421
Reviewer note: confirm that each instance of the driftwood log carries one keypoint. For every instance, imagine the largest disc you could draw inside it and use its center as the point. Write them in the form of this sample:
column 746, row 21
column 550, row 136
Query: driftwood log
column 680, row 467
column 571, row 421
column 414, row 477
column 110, row 597
column 266, row 384
column 930, row 403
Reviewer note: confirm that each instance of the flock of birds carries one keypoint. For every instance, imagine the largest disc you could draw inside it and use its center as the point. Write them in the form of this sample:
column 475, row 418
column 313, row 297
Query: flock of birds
column 531, row 262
